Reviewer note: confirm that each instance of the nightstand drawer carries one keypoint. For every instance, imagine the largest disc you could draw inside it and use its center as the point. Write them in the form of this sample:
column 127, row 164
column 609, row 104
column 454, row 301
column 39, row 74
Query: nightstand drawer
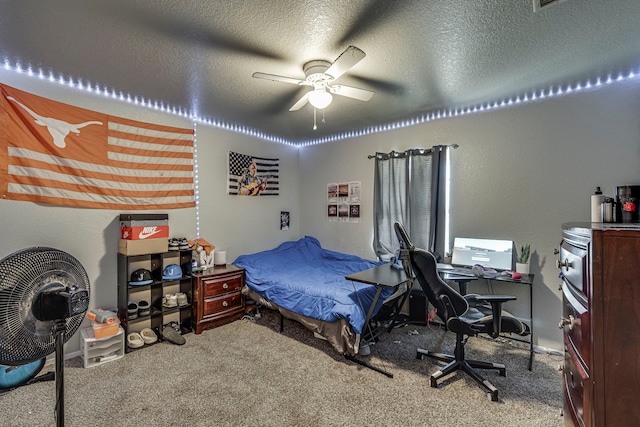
column 218, row 286
column 215, row 306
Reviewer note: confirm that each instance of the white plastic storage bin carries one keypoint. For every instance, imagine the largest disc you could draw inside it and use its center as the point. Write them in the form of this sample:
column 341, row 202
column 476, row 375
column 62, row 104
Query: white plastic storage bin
column 96, row 351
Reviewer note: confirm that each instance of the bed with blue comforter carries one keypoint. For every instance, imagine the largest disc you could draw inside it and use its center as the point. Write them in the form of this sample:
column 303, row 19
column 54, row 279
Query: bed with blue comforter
column 307, row 283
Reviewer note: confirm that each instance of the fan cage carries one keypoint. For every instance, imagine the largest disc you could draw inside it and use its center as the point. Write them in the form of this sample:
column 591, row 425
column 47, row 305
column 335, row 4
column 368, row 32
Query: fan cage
column 23, row 338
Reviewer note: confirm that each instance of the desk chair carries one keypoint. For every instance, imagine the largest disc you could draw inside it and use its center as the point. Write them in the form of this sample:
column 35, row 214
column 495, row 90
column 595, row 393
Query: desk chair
column 466, row 316
column 392, row 306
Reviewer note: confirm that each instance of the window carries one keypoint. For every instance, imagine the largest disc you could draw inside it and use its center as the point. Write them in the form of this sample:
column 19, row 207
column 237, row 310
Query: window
column 410, row 187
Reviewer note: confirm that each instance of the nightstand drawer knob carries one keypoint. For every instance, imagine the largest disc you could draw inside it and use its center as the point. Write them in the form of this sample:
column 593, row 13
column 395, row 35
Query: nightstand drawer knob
column 225, row 303
column 225, row 286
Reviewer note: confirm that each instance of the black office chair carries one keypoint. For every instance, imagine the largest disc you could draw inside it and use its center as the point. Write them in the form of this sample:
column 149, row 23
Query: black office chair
column 466, row 316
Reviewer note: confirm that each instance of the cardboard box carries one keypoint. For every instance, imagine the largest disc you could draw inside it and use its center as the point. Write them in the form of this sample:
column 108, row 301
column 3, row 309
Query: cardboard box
column 102, row 330
column 143, row 247
column 144, row 226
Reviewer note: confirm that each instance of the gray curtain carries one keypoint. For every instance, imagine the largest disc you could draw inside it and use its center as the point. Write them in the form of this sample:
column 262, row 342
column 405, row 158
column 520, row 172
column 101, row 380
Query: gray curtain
column 409, row 187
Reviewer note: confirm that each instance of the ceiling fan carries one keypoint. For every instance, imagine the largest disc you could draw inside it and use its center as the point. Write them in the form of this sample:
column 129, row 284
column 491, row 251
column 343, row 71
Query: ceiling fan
column 321, row 75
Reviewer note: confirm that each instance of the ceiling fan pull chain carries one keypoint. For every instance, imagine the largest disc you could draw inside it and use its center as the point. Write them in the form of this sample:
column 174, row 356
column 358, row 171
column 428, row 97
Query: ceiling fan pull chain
column 323, row 117
column 314, row 119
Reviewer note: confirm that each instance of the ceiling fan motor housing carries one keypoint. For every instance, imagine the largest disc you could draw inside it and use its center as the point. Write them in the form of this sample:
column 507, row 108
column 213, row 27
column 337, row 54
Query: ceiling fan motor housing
column 314, row 71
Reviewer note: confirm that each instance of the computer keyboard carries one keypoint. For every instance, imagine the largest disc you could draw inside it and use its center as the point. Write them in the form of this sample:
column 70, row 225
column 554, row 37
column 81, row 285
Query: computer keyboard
column 457, row 270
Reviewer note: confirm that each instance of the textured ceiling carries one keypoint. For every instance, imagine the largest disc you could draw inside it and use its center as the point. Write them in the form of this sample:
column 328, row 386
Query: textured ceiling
column 421, row 55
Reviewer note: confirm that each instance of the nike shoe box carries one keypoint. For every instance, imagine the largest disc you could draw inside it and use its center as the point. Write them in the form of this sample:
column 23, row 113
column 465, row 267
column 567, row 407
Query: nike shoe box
column 144, row 226
column 143, row 247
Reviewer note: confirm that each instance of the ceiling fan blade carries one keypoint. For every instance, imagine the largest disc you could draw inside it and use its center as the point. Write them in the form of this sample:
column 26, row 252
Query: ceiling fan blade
column 275, row 104
column 347, row 59
column 278, row 78
column 301, row 102
column 352, row 92
column 374, row 15
column 165, row 25
column 379, row 85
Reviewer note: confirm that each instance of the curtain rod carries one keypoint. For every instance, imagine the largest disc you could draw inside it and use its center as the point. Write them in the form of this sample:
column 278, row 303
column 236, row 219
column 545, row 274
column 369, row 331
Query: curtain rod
column 418, row 151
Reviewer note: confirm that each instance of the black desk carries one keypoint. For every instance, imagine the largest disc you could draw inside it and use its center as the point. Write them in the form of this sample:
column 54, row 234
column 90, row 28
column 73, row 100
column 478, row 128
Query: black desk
column 527, row 279
column 382, row 276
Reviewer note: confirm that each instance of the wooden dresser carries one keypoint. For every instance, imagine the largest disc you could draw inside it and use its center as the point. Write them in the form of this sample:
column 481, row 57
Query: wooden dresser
column 600, row 270
column 216, row 296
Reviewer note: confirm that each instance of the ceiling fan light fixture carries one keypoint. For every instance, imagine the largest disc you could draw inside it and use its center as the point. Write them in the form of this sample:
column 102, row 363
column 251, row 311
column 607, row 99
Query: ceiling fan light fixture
column 320, row 98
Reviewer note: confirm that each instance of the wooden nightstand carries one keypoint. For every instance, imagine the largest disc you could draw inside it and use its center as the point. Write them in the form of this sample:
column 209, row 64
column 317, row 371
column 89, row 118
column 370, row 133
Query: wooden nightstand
column 216, row 296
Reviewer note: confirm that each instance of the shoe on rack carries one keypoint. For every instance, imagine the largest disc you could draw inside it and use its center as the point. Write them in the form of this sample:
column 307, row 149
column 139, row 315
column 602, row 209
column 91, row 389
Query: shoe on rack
column 183, row 244
column 134, row 340
column 170, row 301
column 148, row 336
column 182, row 299
column 174, row 244
column 132, row 310
column 171, row 335
column 144, row 309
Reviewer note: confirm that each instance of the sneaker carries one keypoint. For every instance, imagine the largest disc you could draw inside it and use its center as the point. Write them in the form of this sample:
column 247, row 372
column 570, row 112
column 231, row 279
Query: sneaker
column 171, row 335
column 182, row 299
column 175, row 325
column 144, row 309
column 170, row 301
column 134, row 340
column 174, row 244
column 148, row 336
column 183, row 244
column 132, row 310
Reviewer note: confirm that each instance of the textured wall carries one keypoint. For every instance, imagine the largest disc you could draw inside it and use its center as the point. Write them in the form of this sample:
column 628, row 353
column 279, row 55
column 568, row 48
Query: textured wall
column 519, row 174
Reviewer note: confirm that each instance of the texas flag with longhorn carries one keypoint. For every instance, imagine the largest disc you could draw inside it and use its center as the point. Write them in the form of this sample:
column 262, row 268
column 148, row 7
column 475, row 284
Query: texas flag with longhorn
column 60, row 154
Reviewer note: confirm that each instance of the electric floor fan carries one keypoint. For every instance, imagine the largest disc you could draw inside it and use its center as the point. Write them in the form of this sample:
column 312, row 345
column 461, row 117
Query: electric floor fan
column 44, row 295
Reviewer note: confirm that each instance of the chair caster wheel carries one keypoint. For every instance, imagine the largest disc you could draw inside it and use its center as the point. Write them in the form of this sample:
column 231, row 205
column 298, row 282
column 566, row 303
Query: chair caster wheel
column 502, row 372
column 434, row 383
column 419, row 356
column 493, row 396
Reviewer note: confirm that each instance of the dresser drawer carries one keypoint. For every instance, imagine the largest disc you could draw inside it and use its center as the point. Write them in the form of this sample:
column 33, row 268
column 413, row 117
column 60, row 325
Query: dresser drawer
column 576, row 385
column 574, row 268
column 222, row 304
column 221, row 285
column 575, row 321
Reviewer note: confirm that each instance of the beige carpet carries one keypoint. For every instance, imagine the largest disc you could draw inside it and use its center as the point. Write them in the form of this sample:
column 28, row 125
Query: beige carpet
column 248, row 374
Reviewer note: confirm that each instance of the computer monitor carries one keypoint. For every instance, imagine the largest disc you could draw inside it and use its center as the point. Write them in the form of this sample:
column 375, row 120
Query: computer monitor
column 496, row 254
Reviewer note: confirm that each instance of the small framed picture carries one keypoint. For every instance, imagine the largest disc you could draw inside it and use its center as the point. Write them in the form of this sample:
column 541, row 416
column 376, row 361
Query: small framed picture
column 284, row 220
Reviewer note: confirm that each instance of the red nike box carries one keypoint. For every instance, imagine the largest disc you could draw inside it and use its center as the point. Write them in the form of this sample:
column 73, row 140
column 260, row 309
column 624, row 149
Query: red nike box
column 144, row 232
column 144, row 226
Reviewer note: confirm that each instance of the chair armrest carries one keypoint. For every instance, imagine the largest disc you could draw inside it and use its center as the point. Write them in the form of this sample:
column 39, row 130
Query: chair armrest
column 496, row 310
column 495, row 298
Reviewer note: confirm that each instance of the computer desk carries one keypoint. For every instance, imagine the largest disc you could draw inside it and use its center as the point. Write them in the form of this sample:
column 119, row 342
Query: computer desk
column 527, row 279
column 382, row 276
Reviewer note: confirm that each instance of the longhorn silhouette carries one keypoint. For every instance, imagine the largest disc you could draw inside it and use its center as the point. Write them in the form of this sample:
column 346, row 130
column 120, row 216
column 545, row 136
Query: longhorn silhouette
column 59, row 129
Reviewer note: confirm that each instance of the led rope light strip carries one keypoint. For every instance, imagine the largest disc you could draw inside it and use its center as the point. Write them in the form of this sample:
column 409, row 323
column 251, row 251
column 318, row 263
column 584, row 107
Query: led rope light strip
column 196, row 179
column 554, row 91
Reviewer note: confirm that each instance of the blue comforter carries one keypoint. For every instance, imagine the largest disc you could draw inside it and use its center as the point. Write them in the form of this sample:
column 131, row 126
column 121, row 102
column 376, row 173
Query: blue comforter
column 302, row 277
